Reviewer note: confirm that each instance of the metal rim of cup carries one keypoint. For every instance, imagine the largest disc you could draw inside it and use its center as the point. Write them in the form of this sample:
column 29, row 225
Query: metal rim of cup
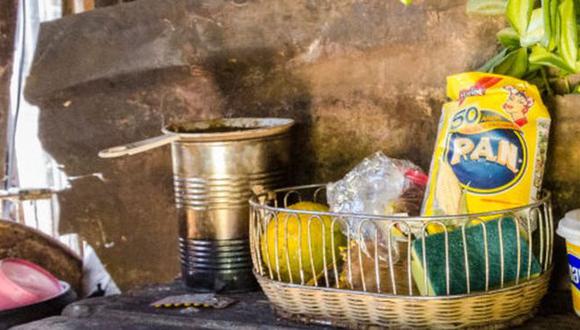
column 253, row 128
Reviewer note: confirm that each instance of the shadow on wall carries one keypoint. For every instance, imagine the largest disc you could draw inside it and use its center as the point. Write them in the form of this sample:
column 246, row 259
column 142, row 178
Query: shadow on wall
column 109, row 202
column 257, row 82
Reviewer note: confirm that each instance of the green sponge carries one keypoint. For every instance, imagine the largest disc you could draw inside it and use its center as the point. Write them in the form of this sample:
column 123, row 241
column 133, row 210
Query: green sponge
column 435, row 257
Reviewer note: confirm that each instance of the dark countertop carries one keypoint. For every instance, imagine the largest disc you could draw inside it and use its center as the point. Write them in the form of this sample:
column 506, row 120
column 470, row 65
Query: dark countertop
column 252, row 311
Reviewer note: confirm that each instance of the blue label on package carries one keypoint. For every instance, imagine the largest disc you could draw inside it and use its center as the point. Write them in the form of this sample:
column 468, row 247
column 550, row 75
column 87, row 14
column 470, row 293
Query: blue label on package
column 574, row 263
column 486, row 151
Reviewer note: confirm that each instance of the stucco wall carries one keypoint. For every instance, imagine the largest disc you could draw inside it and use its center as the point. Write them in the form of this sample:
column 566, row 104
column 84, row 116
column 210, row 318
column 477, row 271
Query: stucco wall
column 358, row 76
column 8, row 16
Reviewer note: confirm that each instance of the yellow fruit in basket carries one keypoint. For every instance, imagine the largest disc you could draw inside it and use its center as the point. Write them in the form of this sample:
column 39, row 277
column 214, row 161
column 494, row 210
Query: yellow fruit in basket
column 292, row 249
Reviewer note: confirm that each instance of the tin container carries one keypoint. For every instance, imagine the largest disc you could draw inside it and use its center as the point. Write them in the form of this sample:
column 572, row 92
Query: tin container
column 569, row 228
column 215, row 165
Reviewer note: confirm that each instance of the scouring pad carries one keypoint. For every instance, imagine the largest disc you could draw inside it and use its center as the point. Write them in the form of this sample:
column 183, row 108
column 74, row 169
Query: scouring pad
column 435, row 257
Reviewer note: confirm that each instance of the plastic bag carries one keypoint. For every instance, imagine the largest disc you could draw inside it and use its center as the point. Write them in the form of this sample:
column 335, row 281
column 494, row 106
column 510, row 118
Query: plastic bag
column 379, row 185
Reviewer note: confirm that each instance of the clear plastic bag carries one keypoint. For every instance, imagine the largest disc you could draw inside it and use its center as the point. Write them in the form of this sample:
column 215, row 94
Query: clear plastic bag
column 379, row 185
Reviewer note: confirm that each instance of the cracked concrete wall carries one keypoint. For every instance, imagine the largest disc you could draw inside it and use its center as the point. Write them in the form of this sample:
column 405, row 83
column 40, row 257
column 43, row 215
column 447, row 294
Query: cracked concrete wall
column 358, row 76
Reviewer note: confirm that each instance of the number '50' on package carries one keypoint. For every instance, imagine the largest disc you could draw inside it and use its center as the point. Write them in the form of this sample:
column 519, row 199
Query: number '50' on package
column 491, row 146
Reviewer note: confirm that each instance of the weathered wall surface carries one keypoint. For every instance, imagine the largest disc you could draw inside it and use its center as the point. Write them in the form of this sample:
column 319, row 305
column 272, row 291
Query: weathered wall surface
column 563, row 173
column 358, row 76
column 8, row 14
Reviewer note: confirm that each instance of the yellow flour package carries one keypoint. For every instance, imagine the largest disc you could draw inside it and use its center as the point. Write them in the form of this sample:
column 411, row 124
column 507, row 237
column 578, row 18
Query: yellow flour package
column 491, row 146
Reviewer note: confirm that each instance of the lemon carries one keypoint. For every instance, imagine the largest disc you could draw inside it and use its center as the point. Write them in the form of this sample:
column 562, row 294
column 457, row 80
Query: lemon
column 293, row 248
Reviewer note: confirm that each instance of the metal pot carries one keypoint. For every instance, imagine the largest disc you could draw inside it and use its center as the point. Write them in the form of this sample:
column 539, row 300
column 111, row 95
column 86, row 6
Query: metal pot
column 215, row 164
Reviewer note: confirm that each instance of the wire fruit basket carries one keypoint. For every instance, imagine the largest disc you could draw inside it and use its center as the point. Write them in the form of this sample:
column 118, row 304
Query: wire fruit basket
column 351, row 270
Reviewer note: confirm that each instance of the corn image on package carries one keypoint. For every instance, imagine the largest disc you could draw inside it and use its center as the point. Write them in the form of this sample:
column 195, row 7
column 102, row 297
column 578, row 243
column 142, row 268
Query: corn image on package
column 491, row 146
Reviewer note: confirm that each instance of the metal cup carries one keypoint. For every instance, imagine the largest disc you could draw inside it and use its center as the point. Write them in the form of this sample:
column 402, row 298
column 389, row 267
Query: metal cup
column 215, row 164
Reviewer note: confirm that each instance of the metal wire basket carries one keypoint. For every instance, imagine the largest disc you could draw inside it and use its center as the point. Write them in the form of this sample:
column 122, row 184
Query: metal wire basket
column 356, row 270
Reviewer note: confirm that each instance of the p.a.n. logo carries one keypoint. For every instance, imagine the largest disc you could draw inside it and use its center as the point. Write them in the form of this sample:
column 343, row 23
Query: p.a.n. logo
column 485, row 150
column 574, row 264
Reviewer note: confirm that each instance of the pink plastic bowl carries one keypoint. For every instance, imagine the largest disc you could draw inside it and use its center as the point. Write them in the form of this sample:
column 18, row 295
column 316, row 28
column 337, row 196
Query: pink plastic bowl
column 24, row 283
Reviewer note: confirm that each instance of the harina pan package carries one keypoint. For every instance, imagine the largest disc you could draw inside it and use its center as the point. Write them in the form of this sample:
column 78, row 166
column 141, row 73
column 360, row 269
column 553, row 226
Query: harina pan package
column 491, row 146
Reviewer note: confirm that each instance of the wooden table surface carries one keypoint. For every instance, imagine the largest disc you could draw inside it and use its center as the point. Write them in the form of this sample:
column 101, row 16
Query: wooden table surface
column 252, row 311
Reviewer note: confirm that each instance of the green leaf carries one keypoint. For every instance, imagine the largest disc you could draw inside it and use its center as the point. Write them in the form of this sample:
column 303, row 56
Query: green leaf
column 518, row 14
column 534, row 77
column 568, row 45
column 547, row 22
column 535, row 31
column 533, row 67
column 542, row 56
column 486, row 7
column 554, row 24
column 509, row 38
column 515, row 64
column 494, row 61
column 406, row 2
